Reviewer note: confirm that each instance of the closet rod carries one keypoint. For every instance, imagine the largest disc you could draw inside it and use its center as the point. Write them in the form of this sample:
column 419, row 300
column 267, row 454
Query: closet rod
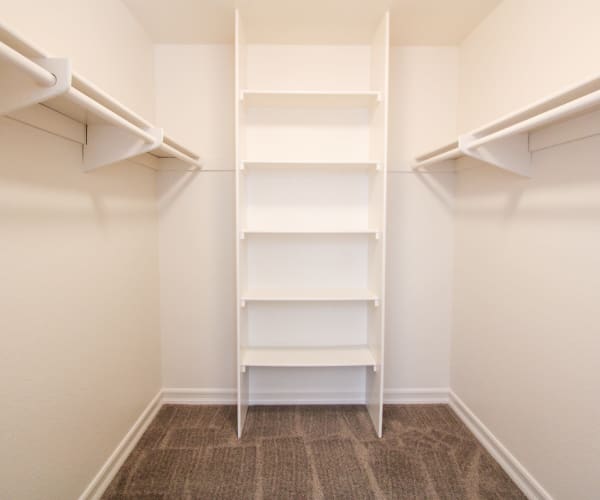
column 110, row 116
column 108, row 101
column 552, row 115
column 448, row 155
column 41, row 76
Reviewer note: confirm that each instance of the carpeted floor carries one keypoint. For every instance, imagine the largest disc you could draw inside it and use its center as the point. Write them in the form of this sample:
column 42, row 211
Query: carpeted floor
column 295, row 452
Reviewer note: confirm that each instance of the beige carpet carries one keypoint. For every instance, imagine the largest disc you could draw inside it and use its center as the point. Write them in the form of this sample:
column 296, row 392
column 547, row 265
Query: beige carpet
column 295, row 452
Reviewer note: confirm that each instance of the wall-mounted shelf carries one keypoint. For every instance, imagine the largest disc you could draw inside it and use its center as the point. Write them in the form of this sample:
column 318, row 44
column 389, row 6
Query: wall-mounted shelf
column 505, row 142
column 302, row 231
column 112, row 132
column 350, row 165
column 307, row 356
column 309, row 98
column 308, row 295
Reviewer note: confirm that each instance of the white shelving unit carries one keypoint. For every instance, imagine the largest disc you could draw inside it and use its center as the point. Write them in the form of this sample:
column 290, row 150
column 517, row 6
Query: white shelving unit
column 311, row 196
column 44, row 92
column 506, row 142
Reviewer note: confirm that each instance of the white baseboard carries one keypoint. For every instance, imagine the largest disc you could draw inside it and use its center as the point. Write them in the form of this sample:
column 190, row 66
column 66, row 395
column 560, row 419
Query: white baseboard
column 108, row 471
column 195, row 396
column 210, row 396
column 430, row 395
column 517, row 472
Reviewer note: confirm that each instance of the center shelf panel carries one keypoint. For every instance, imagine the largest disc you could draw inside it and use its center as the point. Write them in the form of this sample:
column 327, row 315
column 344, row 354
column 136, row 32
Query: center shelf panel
column 307, row 356
column 306, row 323
column 307, row 231
column 310, row 98
column 314, row 263
column 307, row 134
column 284, row 164
column 308, row 295
column 310, row 200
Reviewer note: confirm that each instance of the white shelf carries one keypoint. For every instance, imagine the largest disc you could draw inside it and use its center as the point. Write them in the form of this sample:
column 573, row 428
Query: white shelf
column 350, row 165
column 308, row 295
column 504, row 142
column 300, row 231
column 111, row 131
column 310, row 98
column 307, row 356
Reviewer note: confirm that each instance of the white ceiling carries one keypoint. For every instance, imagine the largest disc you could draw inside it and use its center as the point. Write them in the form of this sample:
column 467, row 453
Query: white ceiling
column 413, row 22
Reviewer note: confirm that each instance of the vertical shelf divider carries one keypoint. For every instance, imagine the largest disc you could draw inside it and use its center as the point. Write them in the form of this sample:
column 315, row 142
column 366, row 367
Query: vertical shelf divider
column 243, row 377
column 377, row 210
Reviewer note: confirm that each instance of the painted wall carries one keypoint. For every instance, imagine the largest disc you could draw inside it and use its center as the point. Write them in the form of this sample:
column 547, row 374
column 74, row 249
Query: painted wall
column 197, row 226
column 105, row 43
column 80, row 356
column 523, row 51
column 526, row 337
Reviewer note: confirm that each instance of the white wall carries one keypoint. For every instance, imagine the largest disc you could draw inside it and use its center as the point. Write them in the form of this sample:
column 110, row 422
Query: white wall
column 523, row 51
column 197, row 226
column 79, row 326
column 423, row 99
column 105, row 43
column 197, row 219
column 526, row 337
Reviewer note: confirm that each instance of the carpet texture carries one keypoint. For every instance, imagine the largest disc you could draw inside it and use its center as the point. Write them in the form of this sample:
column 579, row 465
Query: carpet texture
column 305, row 452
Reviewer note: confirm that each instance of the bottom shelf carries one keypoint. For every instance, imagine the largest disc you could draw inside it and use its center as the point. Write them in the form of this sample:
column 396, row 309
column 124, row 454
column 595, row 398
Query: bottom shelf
column 307, row 356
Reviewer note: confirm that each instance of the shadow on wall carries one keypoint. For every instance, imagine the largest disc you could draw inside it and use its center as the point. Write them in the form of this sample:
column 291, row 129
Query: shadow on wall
column 41, row 178
column 172, row 185
column 438, row 185
column 565, row 185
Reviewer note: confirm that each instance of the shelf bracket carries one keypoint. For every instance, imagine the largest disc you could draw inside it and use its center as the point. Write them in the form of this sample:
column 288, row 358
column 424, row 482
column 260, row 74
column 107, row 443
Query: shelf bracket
column 508, row 153
column 17, row 95
column 377, row 235
column 243, row 303
column 374, row 368
column 242, row 235
column 243, row 367
column 108, row 144
column 376, row 302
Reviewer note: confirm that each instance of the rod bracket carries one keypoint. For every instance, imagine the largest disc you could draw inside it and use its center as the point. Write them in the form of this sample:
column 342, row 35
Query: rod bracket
column 108, row 144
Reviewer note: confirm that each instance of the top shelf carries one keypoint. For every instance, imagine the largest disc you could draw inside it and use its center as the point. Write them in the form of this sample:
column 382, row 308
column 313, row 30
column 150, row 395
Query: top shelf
column 505, row 142
column 310, row 98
